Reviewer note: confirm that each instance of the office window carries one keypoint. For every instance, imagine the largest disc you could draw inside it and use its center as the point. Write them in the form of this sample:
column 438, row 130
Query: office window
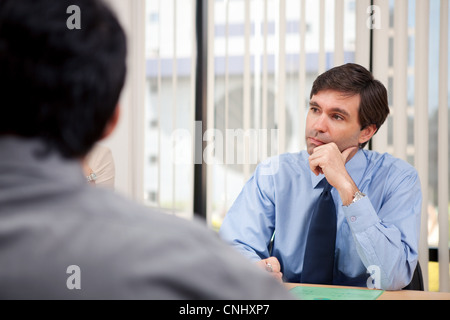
column 266, row 56
column 169, row 121
column 411, row 58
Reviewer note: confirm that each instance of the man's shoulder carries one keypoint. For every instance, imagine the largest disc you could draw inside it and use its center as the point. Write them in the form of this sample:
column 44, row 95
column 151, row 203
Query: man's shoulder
column 112, row 208
column 385, row 163
column 182, row 258
column 386, row 159
column 284, row 161
column 126, row 250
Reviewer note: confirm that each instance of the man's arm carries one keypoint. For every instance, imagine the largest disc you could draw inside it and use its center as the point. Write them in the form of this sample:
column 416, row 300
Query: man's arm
column 250, row 222
column 327, row 159
column 387, row 237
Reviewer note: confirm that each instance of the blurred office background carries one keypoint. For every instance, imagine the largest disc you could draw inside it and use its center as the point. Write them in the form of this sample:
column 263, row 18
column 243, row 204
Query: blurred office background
column 246, row 67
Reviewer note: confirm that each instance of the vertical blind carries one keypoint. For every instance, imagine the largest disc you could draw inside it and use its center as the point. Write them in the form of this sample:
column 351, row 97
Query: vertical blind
column 263, row 56
column 443, row 157
column 266, row 55
column 406, row 58
column 169, row 117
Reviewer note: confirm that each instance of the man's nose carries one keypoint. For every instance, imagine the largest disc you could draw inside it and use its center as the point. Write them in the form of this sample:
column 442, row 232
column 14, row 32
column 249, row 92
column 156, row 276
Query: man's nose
column 320, row 123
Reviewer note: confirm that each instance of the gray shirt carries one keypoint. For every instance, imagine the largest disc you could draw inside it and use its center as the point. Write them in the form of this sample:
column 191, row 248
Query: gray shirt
column 61, row 238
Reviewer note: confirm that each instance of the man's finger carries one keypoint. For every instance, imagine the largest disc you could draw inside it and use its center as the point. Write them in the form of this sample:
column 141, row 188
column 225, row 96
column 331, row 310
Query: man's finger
column 347, row 152
column 278, row 276
column 274, row 263
column 314, row 165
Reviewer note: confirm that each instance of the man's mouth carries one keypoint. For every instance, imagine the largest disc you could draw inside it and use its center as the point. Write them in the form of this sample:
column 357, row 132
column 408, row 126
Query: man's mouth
column 316, row 142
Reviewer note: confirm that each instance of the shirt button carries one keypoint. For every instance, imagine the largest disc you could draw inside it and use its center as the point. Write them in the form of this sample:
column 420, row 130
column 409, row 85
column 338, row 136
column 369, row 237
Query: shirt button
column 352, row 218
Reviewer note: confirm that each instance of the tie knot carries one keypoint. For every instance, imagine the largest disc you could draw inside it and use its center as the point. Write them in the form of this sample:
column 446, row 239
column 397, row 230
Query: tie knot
column 326, row 185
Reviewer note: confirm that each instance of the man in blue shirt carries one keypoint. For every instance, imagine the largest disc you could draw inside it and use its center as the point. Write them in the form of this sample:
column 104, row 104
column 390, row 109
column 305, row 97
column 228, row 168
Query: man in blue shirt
column 377, row 197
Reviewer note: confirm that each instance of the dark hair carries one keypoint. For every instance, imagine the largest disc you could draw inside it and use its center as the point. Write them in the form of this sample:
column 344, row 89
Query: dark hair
column 352, row 79
column 59, row 84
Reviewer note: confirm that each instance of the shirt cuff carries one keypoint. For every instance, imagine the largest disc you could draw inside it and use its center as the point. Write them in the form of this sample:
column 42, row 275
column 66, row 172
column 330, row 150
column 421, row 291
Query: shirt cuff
column 361, row 215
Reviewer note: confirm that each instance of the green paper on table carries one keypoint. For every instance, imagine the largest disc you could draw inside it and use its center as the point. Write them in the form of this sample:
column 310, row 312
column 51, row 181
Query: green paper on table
column 323, row 293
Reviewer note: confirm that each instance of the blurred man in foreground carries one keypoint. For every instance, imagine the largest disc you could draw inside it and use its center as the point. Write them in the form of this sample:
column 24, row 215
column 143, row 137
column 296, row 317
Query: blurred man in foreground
column 61, row 238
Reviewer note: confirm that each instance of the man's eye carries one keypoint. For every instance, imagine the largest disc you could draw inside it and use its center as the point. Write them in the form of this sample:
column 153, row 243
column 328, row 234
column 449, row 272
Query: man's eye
column 337, row 117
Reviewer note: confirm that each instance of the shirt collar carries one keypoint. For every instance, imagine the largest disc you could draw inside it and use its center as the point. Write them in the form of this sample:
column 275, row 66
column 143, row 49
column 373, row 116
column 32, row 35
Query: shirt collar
column 355, row 167
column 25, row 162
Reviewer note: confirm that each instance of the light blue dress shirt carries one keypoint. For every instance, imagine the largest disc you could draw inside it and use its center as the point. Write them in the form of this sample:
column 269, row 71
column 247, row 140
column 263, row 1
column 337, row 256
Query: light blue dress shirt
column 380, row 230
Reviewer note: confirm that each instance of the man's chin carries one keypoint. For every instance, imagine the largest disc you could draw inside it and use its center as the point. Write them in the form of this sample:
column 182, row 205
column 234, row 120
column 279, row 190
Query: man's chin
column 310, row 148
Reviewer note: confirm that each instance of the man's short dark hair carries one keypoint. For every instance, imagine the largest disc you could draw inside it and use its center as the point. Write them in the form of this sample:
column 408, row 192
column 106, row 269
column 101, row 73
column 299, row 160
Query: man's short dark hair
column 352, row 79
column 59, row 84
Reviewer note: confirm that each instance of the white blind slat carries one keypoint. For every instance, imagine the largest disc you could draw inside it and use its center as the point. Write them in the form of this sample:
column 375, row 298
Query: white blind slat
column 302, row 75
column 247, row 90
column 158, row 197
column 380, row 66
column 281, row 78
column 444, row 281
column 210, row 104
column 421, row 123
column 339, row 33
column 174, row 101
column 400, row 77
column 192, row 104
column 362, row 53
column 322, row 55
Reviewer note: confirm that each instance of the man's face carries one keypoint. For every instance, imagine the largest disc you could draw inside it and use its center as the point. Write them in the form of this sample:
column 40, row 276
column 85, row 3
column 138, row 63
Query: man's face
column 333, row 117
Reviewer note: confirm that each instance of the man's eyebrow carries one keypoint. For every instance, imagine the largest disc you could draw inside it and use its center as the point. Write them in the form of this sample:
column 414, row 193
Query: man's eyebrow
column 332, row 110
column 342, row 111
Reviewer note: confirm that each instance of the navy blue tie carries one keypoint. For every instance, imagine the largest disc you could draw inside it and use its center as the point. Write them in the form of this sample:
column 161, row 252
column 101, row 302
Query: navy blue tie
column 318, row 263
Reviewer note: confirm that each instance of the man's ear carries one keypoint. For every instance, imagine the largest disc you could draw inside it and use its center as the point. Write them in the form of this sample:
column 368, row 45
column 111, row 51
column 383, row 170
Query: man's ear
column 112, row 123
column 367, row 133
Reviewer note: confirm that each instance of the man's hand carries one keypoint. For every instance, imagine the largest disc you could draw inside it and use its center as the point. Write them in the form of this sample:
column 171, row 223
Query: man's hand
column 272, row 265
column 87, row 170
column 329, row 160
